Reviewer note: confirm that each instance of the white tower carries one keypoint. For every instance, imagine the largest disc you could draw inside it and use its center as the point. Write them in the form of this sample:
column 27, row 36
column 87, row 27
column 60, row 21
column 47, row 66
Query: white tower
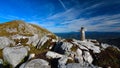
column 82, row 34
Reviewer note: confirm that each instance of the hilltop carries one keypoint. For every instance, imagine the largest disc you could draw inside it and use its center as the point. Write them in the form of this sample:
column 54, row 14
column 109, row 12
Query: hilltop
column 21, row 28
column 24, row 45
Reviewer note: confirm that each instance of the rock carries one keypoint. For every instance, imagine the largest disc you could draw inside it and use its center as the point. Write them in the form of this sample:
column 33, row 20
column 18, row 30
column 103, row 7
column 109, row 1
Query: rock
column 88, row 45
column 62, row 61
column 51, row 54
column 42, row 41
column 37, row 63
column 11, row 30
column 66, row 46
column 74, row 65
column 63, row 48
column 27, row 47
column 33, row 40
column 1, row 63
column 14, row 55
column 79, row 56
column 104, row 45
column 87, row 57
column 23, row 65
column 78, row 65
column 17, row 36
column 5, row 42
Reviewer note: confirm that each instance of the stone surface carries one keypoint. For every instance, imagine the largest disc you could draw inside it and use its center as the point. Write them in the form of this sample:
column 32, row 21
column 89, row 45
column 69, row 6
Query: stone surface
column 74, row 65
column 79, row 56
column 66, row 46
column 5, row 42
column 87, row 57
column 51, row 54
column 42, row 41
column 14, row 55
column 62, row 61
column 104, row 45
column 87, row 45
column 37, row 63
column 33, row 40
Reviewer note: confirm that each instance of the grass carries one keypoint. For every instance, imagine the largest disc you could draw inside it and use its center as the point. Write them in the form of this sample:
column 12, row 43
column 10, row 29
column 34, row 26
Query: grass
column 74, row 48
column 1, row 56
column 70, row 61
column 108, row 57
column 21, row 31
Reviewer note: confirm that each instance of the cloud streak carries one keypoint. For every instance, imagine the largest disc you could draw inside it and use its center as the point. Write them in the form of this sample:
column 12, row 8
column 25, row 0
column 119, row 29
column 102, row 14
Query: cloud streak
column 72, row 19
column 63, row 5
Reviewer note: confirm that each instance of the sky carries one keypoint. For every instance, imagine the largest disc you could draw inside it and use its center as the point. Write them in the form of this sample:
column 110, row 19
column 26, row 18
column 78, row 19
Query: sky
column 64, row 15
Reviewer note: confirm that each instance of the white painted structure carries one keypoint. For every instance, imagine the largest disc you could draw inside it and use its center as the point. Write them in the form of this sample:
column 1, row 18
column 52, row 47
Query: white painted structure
column 82, row 34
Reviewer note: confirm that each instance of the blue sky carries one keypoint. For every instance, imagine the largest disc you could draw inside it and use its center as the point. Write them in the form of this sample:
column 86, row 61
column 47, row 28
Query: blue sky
column 64, row 15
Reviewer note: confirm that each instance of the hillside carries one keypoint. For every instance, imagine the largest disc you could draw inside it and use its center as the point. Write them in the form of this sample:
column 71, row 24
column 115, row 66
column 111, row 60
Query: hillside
column 24, row 45
column 21, row 28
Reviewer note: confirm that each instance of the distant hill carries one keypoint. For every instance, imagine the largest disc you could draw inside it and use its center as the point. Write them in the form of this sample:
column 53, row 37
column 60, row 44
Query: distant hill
column 112, row 38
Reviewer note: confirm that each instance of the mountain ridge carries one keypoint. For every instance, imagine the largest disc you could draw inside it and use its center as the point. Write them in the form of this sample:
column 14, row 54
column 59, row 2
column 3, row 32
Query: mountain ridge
column 24, row 45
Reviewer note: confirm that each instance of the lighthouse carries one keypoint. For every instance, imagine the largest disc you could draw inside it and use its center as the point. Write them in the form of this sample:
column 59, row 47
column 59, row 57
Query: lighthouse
column 82, row 33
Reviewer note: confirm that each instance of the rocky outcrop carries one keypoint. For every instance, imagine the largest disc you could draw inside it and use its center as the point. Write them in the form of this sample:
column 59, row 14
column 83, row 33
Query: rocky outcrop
column 36, row 63
column 42, row 41
column 51, row 54
column 80, row 52
column 33, row 40
column 14, row 55
column 5, row 42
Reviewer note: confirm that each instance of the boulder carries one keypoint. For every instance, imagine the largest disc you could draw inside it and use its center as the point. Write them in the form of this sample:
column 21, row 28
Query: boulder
column 104, row 46
column 87, row 57
column 52, row 55
column 42, row 41
column 79, row 56
column 87, row 45
column 63, row 48
column 78, row 65
column 33, row 40
column 14, row 55
column 5, row 42
column 37, row 63
column 62, row 61
column 74, row 65
column 1, row 63
column 66, row 46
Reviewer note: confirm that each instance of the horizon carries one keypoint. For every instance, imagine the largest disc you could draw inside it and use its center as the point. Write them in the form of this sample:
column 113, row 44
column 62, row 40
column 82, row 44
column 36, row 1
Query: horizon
column 64, row 16
column 88, row 32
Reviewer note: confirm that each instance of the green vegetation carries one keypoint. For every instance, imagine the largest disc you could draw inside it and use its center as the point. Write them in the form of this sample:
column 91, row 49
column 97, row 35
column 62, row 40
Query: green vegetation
column 108, row 57
column 1, row 57
column 74, row 48
column 70, row 61
column 21, row 31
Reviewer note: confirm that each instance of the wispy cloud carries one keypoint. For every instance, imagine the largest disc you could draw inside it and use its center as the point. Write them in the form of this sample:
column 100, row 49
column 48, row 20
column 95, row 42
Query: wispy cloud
column 63, row 5
column 11, row 17
column 98, row 23
column 72, row 20
column 73, row 12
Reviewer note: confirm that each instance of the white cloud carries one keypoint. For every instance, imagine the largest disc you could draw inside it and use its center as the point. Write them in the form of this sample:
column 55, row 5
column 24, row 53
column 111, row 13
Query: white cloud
column 63, row 5
column 73, row 12
column 11, row 17
column 99, row 23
